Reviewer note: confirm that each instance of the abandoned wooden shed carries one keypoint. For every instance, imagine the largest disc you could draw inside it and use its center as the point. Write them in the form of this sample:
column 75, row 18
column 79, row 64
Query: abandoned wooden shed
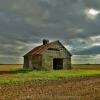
column 49, row 56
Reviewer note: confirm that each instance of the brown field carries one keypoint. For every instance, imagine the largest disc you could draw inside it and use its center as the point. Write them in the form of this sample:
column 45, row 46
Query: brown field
column 87, row 88
column 10, row 67
column 72, row 89
column 86, row 66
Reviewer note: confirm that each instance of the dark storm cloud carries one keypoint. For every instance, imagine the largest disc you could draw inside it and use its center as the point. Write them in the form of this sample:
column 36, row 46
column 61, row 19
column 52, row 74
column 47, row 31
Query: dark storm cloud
column 14, row 27
column 93, row 4
column 90, row 51
column 24, row 23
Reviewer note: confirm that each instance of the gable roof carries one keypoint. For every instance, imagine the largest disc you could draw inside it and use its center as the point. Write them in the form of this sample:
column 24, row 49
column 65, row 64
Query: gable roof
column 40, row 49
column 64, row 47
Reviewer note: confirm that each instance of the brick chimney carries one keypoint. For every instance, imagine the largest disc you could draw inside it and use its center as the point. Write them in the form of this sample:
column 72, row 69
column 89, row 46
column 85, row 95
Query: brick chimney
column 45, row 41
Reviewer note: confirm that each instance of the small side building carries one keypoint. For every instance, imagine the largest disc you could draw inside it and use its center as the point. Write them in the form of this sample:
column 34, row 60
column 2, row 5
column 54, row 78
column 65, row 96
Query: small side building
column 49, row 56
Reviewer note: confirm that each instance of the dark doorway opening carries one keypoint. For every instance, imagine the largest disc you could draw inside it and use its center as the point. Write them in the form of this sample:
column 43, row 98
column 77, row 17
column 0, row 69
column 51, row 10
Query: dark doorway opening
column 57, row 63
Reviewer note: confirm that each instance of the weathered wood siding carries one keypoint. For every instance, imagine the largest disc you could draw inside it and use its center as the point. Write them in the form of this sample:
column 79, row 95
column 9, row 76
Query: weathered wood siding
column 58, row 52
column 45, row 60
column 26, row 63
column 37, row 62
column 33, row 62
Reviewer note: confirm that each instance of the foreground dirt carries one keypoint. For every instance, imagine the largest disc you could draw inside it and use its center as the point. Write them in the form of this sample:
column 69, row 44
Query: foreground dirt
column 67, row 89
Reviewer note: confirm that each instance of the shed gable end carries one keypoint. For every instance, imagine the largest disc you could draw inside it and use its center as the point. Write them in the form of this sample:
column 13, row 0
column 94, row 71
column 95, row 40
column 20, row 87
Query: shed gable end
column 56, row 49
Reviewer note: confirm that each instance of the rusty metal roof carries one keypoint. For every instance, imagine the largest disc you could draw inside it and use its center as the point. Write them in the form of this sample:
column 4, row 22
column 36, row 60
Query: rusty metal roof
column 38, row 50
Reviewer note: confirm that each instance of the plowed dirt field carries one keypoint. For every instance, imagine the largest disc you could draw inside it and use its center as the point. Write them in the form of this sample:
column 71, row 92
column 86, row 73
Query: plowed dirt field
column 68, row 89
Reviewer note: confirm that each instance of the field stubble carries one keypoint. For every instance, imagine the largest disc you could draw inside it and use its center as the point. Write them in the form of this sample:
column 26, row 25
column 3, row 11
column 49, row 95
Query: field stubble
column 70, row 89
column 86, row 88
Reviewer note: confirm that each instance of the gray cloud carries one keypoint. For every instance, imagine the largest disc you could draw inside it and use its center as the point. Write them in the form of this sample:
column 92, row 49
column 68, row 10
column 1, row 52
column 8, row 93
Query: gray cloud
column 93, row 51
column 24, row 23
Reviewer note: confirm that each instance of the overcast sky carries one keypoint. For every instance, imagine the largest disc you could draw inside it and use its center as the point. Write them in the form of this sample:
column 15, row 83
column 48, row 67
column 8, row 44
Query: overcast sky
column 24, row 23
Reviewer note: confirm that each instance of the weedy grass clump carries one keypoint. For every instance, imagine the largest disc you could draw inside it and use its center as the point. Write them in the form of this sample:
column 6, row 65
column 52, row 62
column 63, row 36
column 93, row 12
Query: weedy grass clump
column 17, row 76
